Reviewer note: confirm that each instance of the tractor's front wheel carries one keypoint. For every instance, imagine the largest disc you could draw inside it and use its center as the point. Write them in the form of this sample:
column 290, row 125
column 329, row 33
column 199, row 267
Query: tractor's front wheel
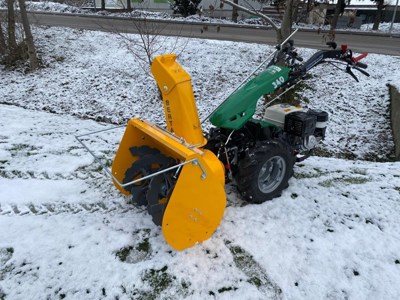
column 264, row 173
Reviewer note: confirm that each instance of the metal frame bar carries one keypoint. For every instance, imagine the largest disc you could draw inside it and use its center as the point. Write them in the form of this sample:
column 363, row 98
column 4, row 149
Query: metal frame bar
column 194, row 161
column 176, row 137
column 283, row 93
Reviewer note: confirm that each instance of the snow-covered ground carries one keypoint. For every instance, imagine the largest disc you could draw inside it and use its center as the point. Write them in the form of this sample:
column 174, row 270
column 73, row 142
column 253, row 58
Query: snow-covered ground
column 89, row 75
column 383, row 27
column 66, row 233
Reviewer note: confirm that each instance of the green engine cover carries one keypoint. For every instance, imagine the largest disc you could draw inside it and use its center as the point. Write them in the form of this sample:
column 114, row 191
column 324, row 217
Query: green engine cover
column 239, row 107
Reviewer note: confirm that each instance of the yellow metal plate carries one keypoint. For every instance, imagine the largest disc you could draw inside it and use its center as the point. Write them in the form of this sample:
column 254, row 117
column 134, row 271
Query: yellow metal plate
column 144, row 133
column 196, row 205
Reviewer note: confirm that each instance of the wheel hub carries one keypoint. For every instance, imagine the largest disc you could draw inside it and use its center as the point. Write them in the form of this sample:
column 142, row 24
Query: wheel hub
column 271, row 174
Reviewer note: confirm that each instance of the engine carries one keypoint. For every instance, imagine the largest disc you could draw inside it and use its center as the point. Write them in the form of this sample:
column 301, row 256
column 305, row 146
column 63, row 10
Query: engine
column 298, row 128
column 302, row 128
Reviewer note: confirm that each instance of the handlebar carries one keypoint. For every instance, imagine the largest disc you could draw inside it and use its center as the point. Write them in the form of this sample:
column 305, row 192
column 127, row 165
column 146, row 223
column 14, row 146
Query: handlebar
column 343, row 55
column 287, row 55
column 361, row 65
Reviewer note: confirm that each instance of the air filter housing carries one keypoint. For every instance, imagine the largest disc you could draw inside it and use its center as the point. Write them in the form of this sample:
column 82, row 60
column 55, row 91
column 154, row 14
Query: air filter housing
column 322, row 121
column 277, row 113
column 300, row 124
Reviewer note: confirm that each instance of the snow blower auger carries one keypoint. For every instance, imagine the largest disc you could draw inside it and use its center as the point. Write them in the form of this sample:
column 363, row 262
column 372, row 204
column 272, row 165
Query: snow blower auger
column 181, row 183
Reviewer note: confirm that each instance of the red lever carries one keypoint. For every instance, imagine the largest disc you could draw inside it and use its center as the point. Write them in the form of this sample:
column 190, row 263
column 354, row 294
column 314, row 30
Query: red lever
column 344, row 48
column 360, row 57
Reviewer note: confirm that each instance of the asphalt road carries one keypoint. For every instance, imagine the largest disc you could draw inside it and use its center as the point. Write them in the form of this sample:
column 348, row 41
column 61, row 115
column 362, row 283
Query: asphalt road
column 358, row 42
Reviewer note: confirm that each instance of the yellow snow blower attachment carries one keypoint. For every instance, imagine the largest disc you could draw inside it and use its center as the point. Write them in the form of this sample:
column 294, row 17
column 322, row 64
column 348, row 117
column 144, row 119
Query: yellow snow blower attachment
column 181, row 184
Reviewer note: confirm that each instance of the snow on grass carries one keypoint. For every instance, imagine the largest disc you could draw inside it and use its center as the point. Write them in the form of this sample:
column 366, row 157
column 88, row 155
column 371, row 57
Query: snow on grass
column 91, row 76
column 68, row 234
column 48, row 6
column 359, row 112
column 383, row 27
column 319, row 225
column 65, row 231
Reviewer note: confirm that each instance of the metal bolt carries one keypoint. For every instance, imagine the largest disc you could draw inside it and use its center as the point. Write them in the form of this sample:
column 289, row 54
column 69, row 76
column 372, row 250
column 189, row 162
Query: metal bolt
column 165, row 88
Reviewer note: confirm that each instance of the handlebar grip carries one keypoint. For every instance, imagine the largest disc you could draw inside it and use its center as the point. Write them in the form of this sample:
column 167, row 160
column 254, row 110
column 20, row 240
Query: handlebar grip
column 362, row 71
column 361, row 65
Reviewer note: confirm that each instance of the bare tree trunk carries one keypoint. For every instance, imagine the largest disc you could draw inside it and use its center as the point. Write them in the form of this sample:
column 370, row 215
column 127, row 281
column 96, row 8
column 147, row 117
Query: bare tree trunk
column 338, row 9
column 29, row 38
column 310, row 6
column 103, row 4
column 258, row 14
column 12, row 42
column 377, row 20
column 128, row 5
column 281, row 32
column 3, row 45
column 235, row 12
column 291, row 7
column 295, row 11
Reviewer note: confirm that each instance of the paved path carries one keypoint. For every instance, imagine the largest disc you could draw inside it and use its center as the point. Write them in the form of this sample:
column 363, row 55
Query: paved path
column 359, row 42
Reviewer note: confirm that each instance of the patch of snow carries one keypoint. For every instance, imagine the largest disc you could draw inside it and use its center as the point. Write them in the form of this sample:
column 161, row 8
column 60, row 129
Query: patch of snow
column 334, row 233
column 86, row 77
column 383, row 27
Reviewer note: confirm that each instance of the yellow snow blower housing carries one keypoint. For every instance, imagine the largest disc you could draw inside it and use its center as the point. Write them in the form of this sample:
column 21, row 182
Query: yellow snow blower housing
column 181, row 184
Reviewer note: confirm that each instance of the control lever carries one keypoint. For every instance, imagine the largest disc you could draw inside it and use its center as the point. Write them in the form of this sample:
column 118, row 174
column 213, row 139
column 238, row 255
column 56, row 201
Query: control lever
column 349, row 71
column 361, row 65
column 299, row 58
column 361, row 71
column 296, row 56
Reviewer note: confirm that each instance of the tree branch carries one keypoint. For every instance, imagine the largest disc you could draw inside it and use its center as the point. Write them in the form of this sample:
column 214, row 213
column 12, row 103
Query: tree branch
column 253, row 12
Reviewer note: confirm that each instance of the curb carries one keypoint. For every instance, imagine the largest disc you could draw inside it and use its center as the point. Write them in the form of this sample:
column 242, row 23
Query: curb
column 395, row 118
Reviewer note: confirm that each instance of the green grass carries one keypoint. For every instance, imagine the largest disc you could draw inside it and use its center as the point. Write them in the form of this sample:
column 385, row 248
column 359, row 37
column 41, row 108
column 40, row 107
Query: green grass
column 139, row 250
column 23, row 149
column 160, row 280
column 123, row 253
column 257, row 276
column 344, row 180
column 318, row 173
column 144, row 246
column 293, row 96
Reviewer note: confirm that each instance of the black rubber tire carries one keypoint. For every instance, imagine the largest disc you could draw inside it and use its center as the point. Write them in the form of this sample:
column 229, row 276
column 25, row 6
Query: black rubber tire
column 254, row 168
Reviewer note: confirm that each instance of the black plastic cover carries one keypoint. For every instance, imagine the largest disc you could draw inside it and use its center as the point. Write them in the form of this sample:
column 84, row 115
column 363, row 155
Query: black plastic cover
column 300, row 124
column 322, row 116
